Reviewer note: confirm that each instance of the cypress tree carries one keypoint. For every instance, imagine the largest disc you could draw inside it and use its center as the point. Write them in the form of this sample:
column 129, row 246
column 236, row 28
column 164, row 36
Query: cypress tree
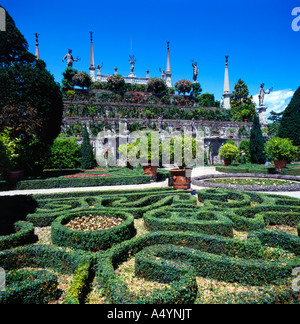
column 87, row 153
column 257, row 142
column 289, row 125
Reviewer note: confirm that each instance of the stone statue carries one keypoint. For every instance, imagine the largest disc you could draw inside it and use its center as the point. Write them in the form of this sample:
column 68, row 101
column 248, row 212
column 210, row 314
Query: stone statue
column 132, row 61
column 70, row 58
column 195, row 71
column 163, row 74
column 261, row 95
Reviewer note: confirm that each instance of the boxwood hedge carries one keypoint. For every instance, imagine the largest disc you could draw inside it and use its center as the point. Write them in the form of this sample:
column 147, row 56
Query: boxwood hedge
column 92, row 240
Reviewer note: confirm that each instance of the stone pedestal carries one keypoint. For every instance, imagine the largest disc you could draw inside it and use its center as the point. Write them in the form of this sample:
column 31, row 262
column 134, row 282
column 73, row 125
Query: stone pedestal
column 262, row 113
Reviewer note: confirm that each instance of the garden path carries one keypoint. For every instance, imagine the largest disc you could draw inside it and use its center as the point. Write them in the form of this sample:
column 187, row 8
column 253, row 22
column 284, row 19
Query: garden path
column 196, row 172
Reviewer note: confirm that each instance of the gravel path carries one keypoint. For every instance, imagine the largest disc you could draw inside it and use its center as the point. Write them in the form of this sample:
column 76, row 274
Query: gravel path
column 196, row 172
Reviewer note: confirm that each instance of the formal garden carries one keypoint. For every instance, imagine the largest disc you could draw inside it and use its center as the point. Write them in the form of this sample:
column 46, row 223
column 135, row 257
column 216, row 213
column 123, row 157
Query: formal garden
column 219, row 238
column 150, row 246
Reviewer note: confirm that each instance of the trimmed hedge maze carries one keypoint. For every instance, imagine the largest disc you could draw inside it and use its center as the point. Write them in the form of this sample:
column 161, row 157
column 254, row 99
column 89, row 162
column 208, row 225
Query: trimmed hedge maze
column 244, row 240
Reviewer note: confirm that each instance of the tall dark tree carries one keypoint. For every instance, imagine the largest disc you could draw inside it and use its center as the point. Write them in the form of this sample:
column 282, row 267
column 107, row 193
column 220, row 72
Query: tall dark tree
column 257, row 141
column 30, row 99
column 289, row 125
column 87, row 153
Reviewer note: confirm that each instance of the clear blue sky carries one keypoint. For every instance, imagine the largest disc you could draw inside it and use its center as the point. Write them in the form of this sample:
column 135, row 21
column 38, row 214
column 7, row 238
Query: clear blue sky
column 257, row 35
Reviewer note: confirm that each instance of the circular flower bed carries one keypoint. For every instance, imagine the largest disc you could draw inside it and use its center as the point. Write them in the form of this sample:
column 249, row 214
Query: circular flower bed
column 93, row 223
column 249, row 182
column 92, row 230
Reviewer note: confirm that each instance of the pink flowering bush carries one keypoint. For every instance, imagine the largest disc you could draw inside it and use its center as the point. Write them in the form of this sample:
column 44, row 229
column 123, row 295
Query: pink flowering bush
column 183, row 86
column 82, row 79
column 115, row 82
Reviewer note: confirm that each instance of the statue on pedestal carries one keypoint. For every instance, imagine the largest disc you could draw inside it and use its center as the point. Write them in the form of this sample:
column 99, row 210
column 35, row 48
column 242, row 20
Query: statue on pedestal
column 261, row 94
column 70, row 58
column 195, row 71
column 163, row 74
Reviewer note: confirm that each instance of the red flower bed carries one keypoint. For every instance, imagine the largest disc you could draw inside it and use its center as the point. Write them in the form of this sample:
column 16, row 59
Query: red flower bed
column 87, row 175
column 95, row 170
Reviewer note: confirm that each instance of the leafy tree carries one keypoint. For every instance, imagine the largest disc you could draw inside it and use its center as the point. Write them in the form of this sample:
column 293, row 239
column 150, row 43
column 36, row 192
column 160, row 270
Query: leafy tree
column 207, row 100
column 30, row 99
column 183, row 86
column 67, row 82
column 87, row 154
column 196, row 89
column 240, row 95
column 156, row 85
column 14, row 47
column 244, row 148
column 242, row 106
column 257, row 142
column 64, row 153
column 289, row 125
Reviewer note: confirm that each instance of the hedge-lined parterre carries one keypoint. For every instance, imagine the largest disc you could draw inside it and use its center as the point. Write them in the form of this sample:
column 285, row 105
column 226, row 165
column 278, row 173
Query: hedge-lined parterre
column 173, row 218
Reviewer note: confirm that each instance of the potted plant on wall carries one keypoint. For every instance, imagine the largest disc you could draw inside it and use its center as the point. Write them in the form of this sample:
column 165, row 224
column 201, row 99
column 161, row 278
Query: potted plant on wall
column 229, row 153
column 281, row 151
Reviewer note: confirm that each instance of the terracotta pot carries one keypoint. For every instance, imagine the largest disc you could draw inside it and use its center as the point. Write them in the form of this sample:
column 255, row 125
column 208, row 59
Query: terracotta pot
column 181, row 179
column 14, row 176
column 151, row 171
column 227, row 162
column 279, row 165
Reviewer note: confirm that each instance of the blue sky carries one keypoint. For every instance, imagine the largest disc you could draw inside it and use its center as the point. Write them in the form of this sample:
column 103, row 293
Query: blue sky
column 257, row 35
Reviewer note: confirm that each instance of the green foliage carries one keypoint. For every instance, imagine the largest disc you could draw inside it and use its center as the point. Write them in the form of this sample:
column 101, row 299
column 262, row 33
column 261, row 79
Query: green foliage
column 67, row 82
column 289, row 124
column 156, row 85
column 229, row 151
column 82, row 79
column 240, row 95
column 243, row 112
column 65, row 154
column 87, row 153
column 281, row 149
column 207, row 100
column 29, row 287
column 115, row 83
column 257, row 141
column 14, row 47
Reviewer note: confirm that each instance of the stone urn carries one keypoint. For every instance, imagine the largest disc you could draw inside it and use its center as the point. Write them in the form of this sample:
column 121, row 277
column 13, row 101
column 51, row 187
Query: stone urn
column 181, row 178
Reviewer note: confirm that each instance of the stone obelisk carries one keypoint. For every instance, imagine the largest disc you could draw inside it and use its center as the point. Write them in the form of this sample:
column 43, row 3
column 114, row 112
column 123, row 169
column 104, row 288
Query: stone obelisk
column 168, row 70
column 226, row 94
column 92, row 63
column 37, row 51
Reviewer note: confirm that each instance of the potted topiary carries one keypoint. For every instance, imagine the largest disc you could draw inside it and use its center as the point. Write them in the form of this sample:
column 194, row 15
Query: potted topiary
column 229, row 153
column 181, row 176
column 281, row 151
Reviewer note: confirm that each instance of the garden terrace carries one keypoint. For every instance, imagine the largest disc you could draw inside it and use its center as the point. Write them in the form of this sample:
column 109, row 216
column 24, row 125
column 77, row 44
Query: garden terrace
column 249, row 182
column 177, row 248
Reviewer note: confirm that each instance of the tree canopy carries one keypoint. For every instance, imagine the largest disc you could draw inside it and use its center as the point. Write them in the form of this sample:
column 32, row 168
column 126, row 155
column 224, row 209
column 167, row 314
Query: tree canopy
column 289, row 124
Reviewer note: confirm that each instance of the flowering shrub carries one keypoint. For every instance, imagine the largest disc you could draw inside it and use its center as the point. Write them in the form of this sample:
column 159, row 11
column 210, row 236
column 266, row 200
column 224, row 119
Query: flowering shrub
column 82, row 79
column 115, row 82
column 183, row 86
